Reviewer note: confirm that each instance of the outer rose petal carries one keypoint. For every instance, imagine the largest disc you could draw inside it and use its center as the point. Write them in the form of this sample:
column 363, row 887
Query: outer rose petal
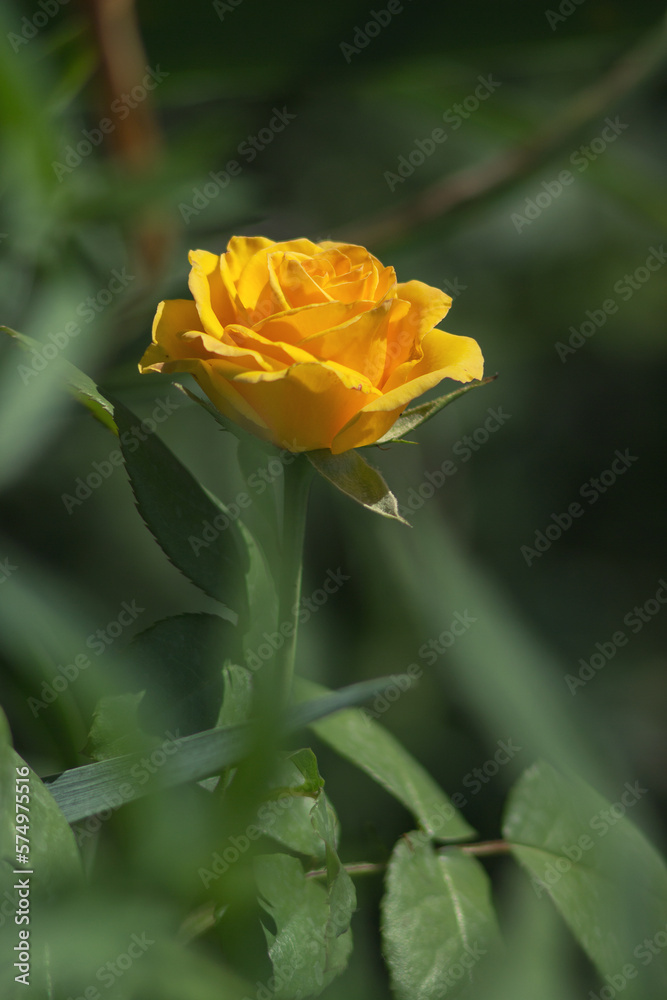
column 445, row 356
column 173, row 317
column 307, row 404
column 215, row 304
column 221, row 392
column 428, row 307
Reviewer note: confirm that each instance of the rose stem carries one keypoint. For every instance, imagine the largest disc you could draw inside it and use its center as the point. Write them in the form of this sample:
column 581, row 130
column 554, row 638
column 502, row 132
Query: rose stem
column 297, row 479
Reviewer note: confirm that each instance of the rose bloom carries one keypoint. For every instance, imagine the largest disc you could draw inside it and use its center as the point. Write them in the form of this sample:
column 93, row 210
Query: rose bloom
column 308, row 345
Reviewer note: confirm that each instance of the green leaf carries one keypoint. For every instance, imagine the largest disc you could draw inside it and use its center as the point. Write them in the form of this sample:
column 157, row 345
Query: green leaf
column 325, row 702
column 369, row 746
column 352, row 475
column 237, row 697
column 341, row 892
column 437, row 920
column 289, row 824
column 84, row 931
column 296, row 784
column 178, row 662
column 418, row 415
column 80, row 385
column 306, row 956
column 84, row 791
column 53, row 857
column 178, row 511
column 115, row 728
column 606, row 880
column 305, row 762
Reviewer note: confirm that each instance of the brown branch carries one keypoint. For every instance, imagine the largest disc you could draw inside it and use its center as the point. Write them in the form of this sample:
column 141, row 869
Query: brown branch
column 472, row 184
column 485, row 847
column 123, row 64
column 136, row 136
column 360, row 868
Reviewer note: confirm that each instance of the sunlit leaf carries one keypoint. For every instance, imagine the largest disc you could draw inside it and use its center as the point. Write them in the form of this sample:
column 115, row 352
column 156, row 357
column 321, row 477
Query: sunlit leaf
column 79, row 384
column 411, row 419
column 369, row 746
column 352, row 475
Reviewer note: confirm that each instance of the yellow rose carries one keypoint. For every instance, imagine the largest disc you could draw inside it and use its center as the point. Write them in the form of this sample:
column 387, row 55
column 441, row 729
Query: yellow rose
column 308, row 345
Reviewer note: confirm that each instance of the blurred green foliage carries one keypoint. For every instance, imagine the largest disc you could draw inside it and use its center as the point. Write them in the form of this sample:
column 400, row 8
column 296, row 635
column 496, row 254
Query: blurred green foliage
column 96, row 245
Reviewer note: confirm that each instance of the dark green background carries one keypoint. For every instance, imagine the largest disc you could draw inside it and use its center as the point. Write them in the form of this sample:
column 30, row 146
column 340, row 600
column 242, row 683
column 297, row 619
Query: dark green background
column 322, row 177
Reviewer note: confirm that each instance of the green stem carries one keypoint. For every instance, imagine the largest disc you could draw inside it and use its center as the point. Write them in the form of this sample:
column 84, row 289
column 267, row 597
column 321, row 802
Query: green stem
column 296, row 485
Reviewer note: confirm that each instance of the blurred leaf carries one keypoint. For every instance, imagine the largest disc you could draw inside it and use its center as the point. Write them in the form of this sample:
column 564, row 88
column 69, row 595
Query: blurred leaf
column 607, row 881
column 52, row 858
column 181, row 515
column 369, row 746
column 88, row 937
column 262, row 594
column 33, row 396
column 536, row 957
column 352, row 475
column 418, row 415
column 80, row 385
column 501, row 668
column 437, row 920
column 306, row 957
column 178, row 661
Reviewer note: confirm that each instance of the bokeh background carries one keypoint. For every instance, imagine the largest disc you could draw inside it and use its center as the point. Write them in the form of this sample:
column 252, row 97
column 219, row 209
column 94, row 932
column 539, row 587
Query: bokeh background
column 95, row 224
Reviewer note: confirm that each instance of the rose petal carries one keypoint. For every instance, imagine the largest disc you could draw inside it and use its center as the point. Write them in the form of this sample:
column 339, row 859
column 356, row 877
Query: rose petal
column 296, row 325
column 307, row 404
column 428, row 307
column 360, row 343
column 172, row 318
column 215, row 304
column 459, row 358
column 253, row 283
column 220, row 390
column 299, row 286
column 240, row 250
column 282, row 353
column 444, row 356
column 241, row 358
